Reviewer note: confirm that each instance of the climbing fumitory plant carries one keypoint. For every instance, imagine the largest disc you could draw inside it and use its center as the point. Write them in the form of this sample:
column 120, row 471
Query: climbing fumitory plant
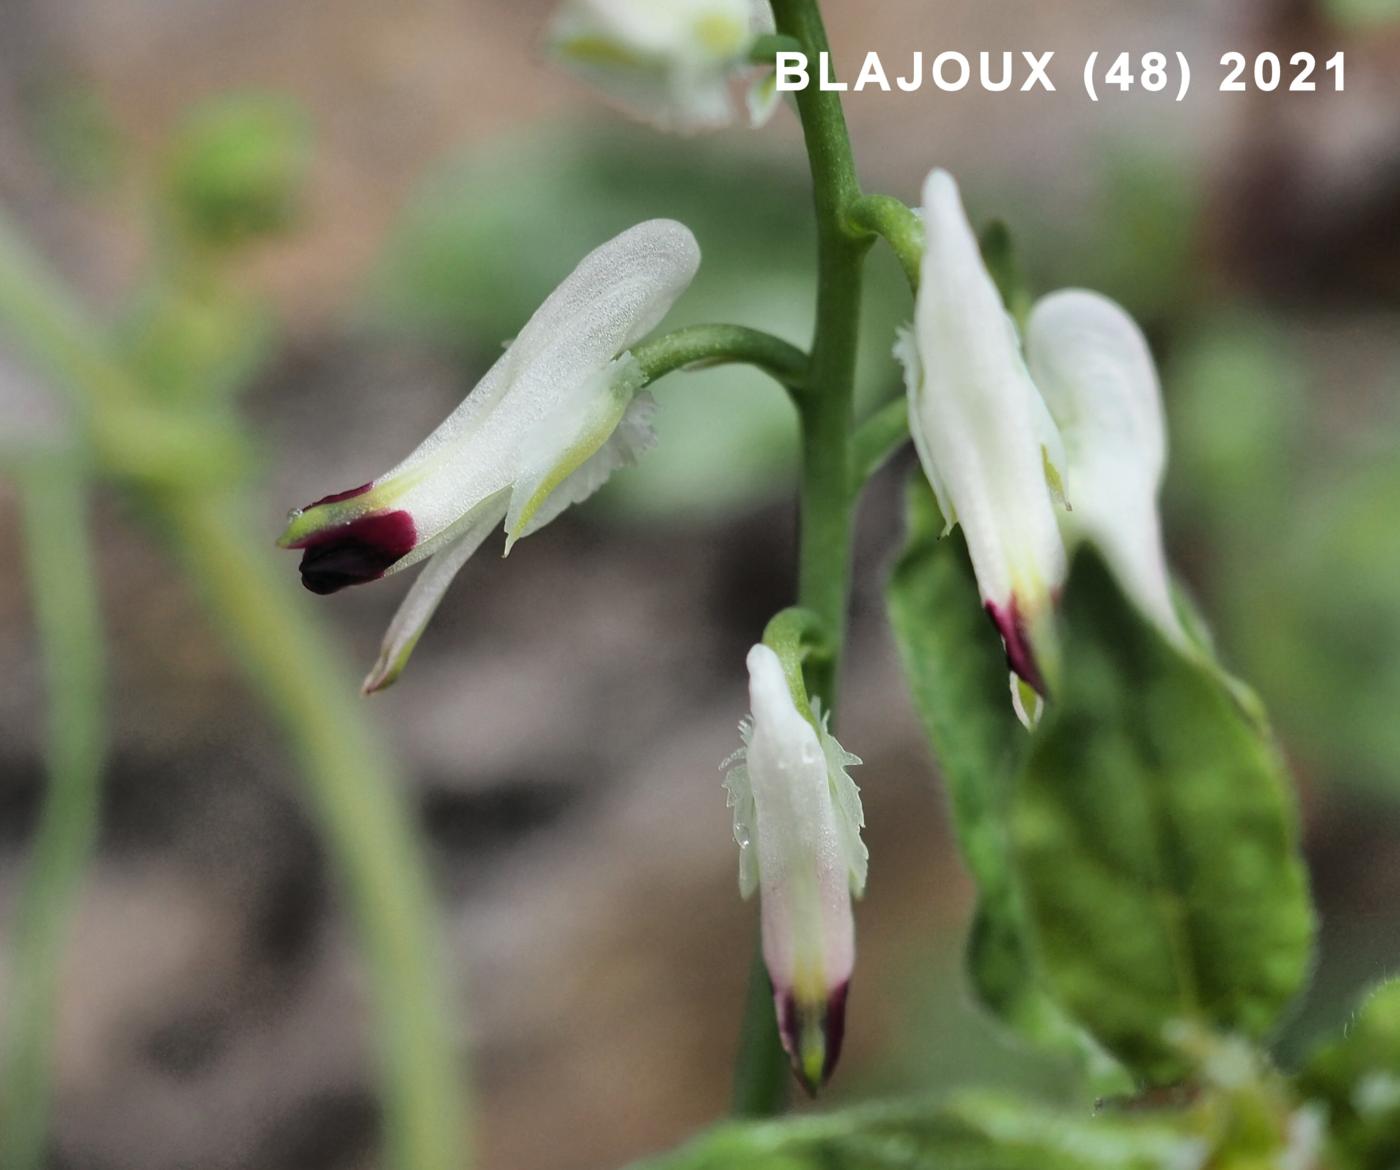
column 557, row 413
column 1141, row 905
column 1142, row 911
column 797, row 822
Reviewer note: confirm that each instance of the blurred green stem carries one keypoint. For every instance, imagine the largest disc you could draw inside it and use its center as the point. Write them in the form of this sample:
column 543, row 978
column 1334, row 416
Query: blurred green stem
column 825, row 499
column 356, row 794
column 354, row 789
column 62, row 585
column 131, row 437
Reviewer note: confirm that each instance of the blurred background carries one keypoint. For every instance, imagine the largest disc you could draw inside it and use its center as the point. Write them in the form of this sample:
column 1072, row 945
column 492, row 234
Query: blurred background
column 421, row 177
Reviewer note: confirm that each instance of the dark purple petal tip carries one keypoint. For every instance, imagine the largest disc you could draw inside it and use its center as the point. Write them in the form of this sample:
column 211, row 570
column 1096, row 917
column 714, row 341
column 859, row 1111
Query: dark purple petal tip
column 355, row 552
column 812, row 1035
column 1011, row 626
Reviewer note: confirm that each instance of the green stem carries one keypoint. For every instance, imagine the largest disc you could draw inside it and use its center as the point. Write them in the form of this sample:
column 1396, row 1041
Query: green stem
column 897, row 225
column 353, row 788
column 66, row 608
column 713, row 345
column 826, row 414
column 357, row 797
column 132, row 438
column 824, row 554
column 761, row 1071
column 799, row 640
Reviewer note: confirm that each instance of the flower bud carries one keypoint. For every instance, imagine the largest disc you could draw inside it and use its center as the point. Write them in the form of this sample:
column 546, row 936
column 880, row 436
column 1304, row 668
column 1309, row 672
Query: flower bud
column 983, row 434
column 797, row 821
column 546, row 426
column 673, row 63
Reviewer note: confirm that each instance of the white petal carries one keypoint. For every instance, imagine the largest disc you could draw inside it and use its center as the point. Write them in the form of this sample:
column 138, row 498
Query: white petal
column 548, row 391
column 554, row 476
column 981, row 433
column 803, row 870
column 906, row 351
column 421, row 601
column 1096, row 372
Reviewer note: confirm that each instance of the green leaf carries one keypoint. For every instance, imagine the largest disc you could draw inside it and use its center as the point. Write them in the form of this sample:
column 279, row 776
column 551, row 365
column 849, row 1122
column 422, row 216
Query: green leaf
column 1357, row 1076
column 1156, row 843
column 960, row 684
column 975, row 1134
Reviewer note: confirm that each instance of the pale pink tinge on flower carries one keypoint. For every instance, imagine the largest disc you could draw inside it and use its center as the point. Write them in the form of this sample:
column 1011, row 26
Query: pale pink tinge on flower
column 797, row 821
column 559, row 411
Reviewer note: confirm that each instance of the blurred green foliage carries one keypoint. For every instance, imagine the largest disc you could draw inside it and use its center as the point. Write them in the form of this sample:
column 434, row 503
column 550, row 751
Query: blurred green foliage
column 1363, row 14
column 1358, row 1076
column 154, row 417
column 1296, row 515
column 237, row 169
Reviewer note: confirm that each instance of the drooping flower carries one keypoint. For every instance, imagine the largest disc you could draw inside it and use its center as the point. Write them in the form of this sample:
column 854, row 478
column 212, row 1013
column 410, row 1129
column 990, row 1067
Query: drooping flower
column 986, row 441
column 557, row 413
column 1092, row 364
column 673, row 63
column 797, row 821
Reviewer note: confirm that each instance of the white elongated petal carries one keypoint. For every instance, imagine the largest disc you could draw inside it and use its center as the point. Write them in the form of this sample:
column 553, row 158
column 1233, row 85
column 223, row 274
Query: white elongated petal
column 428, row 590
column 797, row 819
column 533, row 425
column 982, row 434
column 629, row 440
column 549, row 482
column 1093, row 366
column 673, row 64
column 554, row 391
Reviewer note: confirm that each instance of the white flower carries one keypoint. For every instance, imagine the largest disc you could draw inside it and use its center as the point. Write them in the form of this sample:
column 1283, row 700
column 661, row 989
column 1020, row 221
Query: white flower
column 1092, row 364
column 550, row 421
column 674, row 63
column 797, row 820
column 984, row 437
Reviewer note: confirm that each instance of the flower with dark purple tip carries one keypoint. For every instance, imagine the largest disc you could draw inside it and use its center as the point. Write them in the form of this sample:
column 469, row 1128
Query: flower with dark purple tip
column 797, row 821
column 987, row 443
column 559, row 411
